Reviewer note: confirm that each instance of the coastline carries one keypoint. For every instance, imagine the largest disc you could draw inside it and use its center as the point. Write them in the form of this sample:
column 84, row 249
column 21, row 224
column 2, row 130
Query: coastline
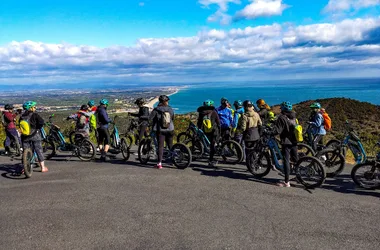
column 152, row 102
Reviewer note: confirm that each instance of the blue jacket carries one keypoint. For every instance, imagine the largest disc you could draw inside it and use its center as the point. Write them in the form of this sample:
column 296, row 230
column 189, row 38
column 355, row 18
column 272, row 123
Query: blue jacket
column 103, row 119
column 316, row 124
column 225, row 117
column 237, row 115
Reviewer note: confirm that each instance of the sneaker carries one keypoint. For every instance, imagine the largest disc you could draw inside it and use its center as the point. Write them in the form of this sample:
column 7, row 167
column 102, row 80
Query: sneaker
column 213, row 164
column 159, row 166
column 283, row 184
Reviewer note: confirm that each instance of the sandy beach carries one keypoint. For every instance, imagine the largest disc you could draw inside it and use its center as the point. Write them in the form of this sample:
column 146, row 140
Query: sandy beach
column 151, row 103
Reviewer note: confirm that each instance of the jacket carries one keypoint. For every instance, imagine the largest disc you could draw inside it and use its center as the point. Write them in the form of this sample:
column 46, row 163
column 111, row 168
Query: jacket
column 9, row 120
column 283, row 127
column 143, row 115
column 77, row 116
column 36, row 123
column 102, row 117
column 316, row 124
column 155, row 118
column 225, row 117
column 207, row 110
column 237, row 115
column 249, row 125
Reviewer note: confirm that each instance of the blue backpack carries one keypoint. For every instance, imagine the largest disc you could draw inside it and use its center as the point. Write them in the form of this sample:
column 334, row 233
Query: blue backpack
column 225, row 117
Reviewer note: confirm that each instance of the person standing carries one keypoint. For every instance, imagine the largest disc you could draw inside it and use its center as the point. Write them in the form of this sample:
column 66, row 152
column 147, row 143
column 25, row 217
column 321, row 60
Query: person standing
column 317, row 129
column 209, row 123
column 226, row 119
column 103, row 132
column 284, row 126
column 162, row 120
column 266, row 114
column 30, row 124
column 8, row 120
column 143, row 116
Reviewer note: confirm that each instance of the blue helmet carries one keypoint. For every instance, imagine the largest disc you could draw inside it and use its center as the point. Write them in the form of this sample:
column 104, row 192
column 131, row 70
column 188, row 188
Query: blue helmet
column 208, row 102
column 28, row 105
column 286, row 106
column 91, row 103
column 103, row 102
column 238, row 104
column 315, row 105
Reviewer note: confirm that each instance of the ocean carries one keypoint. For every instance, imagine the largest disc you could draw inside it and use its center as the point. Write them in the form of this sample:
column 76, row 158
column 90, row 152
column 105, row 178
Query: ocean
column 189, row 98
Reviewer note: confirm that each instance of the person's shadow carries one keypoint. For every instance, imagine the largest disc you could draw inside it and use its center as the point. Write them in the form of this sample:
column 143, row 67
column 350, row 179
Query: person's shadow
column 12, row 171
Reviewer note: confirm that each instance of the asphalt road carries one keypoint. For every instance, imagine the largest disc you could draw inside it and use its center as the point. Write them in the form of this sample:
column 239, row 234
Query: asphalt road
column 118, row 205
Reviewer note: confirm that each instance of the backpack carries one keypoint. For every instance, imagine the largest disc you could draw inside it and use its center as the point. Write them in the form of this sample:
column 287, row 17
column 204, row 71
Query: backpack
column 165, row 119
column 298, row 131
column 25, row 126
column 326, row 121
column 3, row 120
column 207, row 124
column 93, row 122
column 224, row 116
column 82, row 121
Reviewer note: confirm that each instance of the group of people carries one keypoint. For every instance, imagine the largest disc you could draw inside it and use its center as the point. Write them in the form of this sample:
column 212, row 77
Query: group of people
column 243, row 123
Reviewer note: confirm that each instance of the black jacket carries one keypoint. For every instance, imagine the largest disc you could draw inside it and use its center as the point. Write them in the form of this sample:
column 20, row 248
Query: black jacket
column 143, row 115
column 214, row 117
column 283, row 127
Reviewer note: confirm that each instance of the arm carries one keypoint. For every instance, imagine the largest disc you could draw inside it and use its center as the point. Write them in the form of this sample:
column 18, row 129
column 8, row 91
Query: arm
column 73, row 116
column 318, row 121
column 230, row 117
column 199, row 121
column 243, row 126
column 152, row 117
column 279, row 125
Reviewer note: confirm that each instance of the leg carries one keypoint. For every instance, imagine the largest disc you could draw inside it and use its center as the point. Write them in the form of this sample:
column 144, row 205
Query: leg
column 38, row 149
column 286, row 154
column 7, row 141
column 161, row 142
column 316, row 141
column 142, row 132
column 169, row 139
column 107, row 141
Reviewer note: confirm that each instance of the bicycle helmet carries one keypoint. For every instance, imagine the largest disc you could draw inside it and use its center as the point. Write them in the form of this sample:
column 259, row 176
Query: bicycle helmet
column 91, row 103
column 208, row 102
column 315, row 105
column 260, row 103
column 140, row 101
column 247, row 103
column 286, row 106
column 238, row 104
column 8, row 107
column 84, row 107
column 163, row 98
column 224, row 100
column 28, row 105
column 103, row 102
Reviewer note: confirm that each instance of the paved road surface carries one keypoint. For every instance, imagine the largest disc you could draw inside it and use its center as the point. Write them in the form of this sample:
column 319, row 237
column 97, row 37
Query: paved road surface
column 115, row 205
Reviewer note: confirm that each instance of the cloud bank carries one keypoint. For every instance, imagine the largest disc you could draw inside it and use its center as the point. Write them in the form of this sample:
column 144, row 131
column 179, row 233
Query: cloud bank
column 345, row 48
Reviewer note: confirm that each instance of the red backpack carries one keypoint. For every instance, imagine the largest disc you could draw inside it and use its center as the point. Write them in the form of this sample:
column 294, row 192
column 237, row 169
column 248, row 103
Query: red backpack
column 327, row 121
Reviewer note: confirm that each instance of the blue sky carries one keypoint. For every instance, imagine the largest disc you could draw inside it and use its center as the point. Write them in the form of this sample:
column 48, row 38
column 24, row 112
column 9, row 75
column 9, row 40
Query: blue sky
column 170, row 40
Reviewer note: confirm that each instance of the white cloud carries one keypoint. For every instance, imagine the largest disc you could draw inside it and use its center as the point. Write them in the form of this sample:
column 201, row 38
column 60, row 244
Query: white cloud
column 347, row 5
column 262, row 8
column 220, row 15
column 272, row 50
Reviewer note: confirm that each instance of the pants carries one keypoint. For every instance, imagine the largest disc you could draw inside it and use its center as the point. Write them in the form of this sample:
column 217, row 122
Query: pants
column 103, row 136
column 287, row 152
column 142, row 132
column 212, row 138
column 225, row 134
column 317, row 139
column 239, row 139
column 12, row 135
column 163, row 137
column 37, row 146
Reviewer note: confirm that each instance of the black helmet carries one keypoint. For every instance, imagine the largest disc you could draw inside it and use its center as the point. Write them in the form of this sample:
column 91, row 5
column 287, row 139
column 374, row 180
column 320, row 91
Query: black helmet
column 224, row 100
column 163, row 98
column 247, row 103
column 84, row 107
column 139, row 101
column 8, row 106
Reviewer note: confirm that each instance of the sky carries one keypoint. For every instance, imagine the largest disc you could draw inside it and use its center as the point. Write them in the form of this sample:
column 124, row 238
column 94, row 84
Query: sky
column 187, row 41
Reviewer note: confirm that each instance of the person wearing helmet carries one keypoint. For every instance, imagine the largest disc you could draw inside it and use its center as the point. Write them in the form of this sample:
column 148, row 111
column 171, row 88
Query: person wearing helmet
column 143, row 116
column 249, row 126
column 8, row 120
column 92, row 108
column 82, row 118
column 103, row 120
column 34, row 138
column 162, row 121
column 266, row 114
column 209, row 123
column 226, row 119
column 316, row 126
column 284, row 126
